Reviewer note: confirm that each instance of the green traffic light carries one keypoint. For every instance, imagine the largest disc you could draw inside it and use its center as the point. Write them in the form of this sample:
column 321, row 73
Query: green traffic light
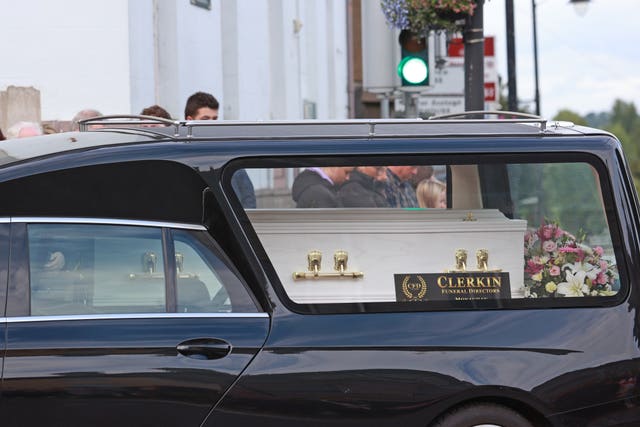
column 413, row 70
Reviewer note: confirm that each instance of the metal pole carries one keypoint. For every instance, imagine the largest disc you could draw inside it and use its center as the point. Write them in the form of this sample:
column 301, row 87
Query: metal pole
column 511, row 58
column 535, row 55
column 410, row 105
column 384, row 105
column 474, row 60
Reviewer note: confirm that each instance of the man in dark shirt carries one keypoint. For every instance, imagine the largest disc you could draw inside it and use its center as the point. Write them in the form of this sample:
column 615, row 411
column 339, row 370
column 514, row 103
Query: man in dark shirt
column 364, row 188
column 317, row 187
column 399, row 191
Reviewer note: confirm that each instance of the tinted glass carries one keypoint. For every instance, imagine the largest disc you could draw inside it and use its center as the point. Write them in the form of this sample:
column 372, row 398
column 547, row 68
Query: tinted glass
column 459, row 235
column 205, row 282
column 78, row 269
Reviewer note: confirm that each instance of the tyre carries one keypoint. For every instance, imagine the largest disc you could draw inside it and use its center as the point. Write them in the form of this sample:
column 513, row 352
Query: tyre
column 482, row 415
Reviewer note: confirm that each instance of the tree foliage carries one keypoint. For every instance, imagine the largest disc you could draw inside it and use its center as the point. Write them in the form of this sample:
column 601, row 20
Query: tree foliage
column 622, row 121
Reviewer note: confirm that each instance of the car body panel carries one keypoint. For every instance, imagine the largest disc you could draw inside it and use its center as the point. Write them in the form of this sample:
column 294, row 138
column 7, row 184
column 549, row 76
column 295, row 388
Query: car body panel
column 559, row 366
column 128, row 370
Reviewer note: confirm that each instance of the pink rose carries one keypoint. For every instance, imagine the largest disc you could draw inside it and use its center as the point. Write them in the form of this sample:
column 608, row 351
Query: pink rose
column 549, row 246
column 532, row 267
column 554, row 270
column 601, row 279
column 598, row 250
column 603, row 265
column 547, row 232
column 558, row 234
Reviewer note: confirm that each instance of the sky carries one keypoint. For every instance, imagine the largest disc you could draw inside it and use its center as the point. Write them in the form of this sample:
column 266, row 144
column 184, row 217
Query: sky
column 585, row 62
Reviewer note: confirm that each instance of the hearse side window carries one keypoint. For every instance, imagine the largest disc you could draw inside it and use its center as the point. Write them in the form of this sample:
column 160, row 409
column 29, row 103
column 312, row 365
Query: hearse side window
column 117, row 269
column 80, row 269
column 368, row 237
column 205, row 281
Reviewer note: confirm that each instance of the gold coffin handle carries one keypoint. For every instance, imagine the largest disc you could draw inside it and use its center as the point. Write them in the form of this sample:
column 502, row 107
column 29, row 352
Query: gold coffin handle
column 314, row 261
column 482, row 258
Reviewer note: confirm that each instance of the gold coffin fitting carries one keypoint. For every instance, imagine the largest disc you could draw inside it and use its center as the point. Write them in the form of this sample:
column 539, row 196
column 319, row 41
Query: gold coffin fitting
column 314, row 260
column 482, row 258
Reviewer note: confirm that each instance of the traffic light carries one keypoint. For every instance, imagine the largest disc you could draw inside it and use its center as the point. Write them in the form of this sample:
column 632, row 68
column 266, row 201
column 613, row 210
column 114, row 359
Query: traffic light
column 413, row 68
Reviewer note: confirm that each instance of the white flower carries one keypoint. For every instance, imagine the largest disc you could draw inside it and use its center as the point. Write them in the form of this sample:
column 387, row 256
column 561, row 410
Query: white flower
column 586, row 249
column 574, row 286
column 590, row 270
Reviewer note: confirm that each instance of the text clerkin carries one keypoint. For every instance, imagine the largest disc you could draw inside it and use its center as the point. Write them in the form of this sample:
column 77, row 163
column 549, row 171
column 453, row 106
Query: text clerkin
column 488, row 281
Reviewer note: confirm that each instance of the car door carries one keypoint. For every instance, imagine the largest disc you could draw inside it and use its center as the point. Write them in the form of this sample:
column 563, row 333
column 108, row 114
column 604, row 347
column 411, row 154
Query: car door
column 398, row 316
column 122, row 323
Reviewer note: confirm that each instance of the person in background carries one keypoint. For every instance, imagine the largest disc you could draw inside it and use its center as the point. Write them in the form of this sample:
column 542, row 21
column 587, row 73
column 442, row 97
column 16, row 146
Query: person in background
column 204, row 106
column 398, row 190
column 201, row 106
column 47, row 129
column 422, row 172
column 432, row 193
column 156, row 111
column 364, row 188
column 24, row 130
column 318, row 187
column 83, row 115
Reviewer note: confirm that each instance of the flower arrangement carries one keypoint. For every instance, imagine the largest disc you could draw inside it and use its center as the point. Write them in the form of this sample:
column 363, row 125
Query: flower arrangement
column 419, row 16
column 557, row 264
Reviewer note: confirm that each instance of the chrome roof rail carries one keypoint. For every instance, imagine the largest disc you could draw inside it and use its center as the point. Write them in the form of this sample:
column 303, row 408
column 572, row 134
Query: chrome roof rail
column 528, row 118
column 307, row 129
column 144, row 124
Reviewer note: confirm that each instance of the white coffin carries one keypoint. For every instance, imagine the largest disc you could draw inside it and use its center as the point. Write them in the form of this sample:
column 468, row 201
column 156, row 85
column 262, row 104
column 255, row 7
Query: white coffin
column 383, row 242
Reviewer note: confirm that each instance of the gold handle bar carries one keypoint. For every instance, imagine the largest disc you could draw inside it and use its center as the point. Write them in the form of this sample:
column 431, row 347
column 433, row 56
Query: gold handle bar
column 314, row 260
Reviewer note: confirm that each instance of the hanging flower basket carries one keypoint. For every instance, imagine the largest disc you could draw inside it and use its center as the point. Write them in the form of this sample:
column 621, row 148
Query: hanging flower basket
column 421, row 16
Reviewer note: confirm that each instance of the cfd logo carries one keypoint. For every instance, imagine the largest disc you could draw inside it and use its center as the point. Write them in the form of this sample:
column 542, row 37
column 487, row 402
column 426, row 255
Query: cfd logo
column 414, row 287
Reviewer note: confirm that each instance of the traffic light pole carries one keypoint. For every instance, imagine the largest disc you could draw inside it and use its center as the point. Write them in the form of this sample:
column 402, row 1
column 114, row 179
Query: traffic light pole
column 511, row 58
column 535, row 55
column 411, row 105
column 474, row 60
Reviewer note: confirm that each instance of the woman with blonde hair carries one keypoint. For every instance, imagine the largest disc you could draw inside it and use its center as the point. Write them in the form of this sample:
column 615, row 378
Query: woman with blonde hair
column 432, row 193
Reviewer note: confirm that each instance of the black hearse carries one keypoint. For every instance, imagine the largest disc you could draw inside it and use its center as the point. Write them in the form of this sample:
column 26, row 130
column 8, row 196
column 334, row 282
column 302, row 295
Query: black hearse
column 164, row 273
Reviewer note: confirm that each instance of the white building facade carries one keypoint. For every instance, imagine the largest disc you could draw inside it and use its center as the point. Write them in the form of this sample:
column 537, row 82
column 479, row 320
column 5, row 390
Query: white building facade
column 262, row 59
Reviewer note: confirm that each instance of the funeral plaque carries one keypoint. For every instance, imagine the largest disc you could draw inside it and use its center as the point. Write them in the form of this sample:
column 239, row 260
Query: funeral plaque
column 452, row 286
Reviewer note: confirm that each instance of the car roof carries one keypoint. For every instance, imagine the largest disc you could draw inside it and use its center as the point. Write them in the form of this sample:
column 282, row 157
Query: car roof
column 127, row 130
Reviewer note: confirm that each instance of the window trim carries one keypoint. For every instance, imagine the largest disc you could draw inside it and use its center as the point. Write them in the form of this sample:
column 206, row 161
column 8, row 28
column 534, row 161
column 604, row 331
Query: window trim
column 104, row 221
column 21, row 291
column 597, row 162
column 130, row 316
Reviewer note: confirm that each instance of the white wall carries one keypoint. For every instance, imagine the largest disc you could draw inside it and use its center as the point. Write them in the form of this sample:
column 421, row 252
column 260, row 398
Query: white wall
column 75, row 52
column 123, row 55
column 142, row 54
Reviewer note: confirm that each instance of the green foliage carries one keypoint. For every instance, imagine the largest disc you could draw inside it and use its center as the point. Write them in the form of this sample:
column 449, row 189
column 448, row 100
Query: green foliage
column 541, row 192
column 420, row 16
column 623, row 121
column 570, row 116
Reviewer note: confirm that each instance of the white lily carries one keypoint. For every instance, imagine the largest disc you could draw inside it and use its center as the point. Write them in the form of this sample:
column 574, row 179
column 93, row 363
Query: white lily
column 591, row 271
column 574, row 286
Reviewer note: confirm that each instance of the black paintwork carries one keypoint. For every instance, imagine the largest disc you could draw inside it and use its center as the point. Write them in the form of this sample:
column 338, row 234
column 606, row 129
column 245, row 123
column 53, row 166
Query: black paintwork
column 557, row 366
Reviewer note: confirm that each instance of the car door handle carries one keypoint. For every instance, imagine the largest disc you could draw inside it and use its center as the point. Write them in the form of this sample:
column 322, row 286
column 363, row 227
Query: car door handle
column 204, row 348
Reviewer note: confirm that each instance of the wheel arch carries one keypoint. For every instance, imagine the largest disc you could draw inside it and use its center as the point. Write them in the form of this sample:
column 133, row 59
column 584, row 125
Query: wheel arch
column 518, row 400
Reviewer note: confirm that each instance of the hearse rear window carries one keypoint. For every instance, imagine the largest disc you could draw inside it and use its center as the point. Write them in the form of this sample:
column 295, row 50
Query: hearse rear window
column 437, row 235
